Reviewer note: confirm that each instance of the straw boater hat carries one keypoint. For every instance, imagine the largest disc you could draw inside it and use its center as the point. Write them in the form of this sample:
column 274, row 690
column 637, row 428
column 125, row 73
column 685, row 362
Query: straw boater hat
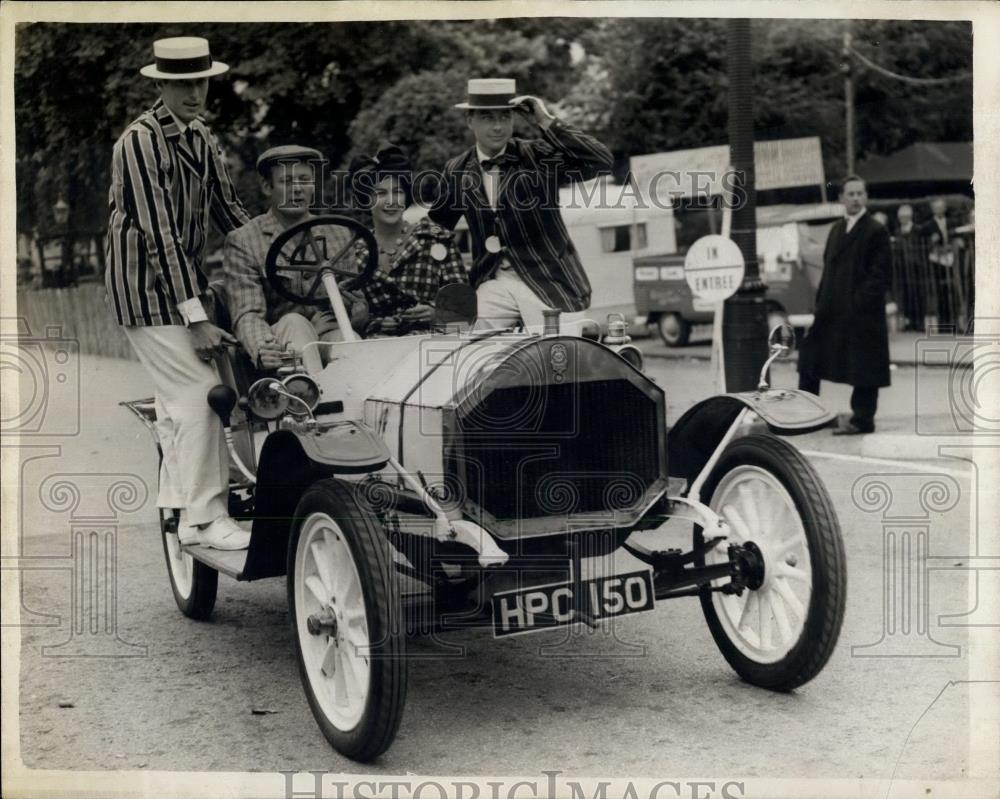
column 183, row 58
column 486, row 93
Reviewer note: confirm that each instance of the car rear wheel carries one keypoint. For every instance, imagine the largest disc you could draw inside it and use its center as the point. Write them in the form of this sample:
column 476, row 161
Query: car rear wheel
column 674, row 329
column 345, row 616
column 780, row 633
column 194, row 584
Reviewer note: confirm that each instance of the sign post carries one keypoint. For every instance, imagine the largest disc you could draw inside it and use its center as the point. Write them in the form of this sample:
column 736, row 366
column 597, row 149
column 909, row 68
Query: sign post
column 713, row 269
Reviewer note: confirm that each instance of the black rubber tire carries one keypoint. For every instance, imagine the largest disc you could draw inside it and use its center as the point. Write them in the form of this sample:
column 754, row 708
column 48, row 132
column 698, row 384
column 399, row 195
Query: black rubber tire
column 370, row 548
column 199, row 602
column 825, row 613
column 683, row 334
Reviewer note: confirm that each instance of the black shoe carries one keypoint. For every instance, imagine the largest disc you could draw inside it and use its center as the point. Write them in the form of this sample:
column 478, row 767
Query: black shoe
column 851, row 429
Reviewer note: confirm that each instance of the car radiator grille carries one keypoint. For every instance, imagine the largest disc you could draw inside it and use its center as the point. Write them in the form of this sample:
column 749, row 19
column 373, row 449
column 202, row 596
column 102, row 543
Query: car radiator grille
column 575, row 448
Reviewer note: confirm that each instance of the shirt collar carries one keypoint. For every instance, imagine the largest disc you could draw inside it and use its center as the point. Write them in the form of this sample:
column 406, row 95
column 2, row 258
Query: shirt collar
column 269, row 223
column 181, row 126
column 855, row 217
column 481, row 156
column 171, row 125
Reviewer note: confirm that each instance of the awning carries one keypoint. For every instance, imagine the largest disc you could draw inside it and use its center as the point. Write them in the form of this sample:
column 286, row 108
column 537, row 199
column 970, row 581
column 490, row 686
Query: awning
column 945, row 162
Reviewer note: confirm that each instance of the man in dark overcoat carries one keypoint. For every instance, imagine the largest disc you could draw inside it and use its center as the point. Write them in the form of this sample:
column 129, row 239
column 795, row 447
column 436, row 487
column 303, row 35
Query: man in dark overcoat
column 849, row 340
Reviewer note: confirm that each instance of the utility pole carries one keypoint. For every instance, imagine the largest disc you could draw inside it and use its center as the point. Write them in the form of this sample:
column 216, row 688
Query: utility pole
column 744, row 321
column 848, row 101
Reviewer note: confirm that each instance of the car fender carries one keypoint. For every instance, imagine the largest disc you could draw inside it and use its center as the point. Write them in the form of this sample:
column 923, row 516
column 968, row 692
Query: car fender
column 693, row 439
column 290, row 461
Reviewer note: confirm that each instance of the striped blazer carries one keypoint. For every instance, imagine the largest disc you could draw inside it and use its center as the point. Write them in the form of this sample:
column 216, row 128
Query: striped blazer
column 526, row 219
column 165, row 186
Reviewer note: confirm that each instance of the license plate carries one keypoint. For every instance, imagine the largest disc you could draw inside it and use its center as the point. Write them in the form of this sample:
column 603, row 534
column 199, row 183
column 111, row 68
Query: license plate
column 542, row 607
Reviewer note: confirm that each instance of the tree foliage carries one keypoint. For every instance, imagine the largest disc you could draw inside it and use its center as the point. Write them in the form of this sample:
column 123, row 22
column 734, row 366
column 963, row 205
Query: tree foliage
column 643, row 85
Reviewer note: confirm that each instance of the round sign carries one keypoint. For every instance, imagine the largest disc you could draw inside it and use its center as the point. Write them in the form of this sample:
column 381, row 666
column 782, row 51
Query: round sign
column 713, row 268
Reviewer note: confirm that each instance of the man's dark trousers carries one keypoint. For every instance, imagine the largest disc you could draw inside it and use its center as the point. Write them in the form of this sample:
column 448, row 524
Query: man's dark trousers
column 864, row 401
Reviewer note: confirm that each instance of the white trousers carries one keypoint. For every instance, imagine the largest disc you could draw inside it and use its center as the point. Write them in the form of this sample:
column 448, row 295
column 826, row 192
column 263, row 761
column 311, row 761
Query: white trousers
column 294, row 331
column 505, row 300
column 195, row 468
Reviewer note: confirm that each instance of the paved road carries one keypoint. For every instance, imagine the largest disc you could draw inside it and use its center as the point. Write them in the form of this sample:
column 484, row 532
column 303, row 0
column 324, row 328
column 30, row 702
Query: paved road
column 660, row 701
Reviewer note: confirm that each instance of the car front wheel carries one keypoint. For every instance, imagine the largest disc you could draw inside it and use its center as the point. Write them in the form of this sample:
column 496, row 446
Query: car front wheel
column 345, row 617
column 781, row 631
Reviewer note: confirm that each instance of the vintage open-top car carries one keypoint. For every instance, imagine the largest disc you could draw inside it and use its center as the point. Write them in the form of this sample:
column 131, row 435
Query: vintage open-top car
column 464, row 478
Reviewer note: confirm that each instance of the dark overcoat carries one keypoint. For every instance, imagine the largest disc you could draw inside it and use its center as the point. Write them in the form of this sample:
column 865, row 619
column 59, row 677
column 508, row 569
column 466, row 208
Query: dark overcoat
column 849, row 341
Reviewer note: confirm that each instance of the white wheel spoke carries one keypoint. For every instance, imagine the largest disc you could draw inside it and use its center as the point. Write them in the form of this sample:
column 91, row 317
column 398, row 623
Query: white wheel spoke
column 787, row 547
column 352, row 680
column 764, row 622
column 788, row 595
column 749, row 504
column 356, row 633
column 329, row 664
column 794, row 573
column 321, row 558
column 316, row 588
column 352, row 594
column 781, row 617
column 731, row 515
column 358, row 643
column 342, row 580
column 772, row 522
column 341, row 693
column 747, row 609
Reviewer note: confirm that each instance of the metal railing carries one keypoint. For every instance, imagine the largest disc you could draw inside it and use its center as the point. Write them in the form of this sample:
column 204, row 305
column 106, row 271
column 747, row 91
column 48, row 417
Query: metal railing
column 933, row 285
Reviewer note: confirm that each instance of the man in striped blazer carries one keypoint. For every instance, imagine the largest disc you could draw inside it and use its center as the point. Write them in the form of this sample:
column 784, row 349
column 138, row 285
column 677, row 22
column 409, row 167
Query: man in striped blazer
column 508, row 190
column 168, row 180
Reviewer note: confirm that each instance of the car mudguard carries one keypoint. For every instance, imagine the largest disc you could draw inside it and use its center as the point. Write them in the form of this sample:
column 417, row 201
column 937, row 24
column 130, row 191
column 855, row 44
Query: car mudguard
column 290, row 461
column 693, row 439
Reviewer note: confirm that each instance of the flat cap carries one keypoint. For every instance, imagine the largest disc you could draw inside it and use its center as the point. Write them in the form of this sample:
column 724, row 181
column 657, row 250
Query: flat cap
column 288, row 153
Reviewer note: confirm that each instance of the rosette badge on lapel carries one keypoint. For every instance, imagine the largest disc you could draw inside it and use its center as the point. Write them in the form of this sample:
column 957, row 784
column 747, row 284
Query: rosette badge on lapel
column 182, row 58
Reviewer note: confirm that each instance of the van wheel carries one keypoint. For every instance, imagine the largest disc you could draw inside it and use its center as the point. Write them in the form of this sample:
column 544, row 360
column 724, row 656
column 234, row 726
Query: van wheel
column 674, row 329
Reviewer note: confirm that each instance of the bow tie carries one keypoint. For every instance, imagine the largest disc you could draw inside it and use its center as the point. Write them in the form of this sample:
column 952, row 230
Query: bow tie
column 504, row 159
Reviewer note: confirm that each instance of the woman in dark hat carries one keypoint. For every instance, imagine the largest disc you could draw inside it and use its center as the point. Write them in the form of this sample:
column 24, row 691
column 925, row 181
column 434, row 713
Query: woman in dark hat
column 415, row 260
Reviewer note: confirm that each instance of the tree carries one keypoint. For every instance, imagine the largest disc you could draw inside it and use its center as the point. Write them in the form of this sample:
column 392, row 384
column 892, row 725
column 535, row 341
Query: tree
column 642, row 85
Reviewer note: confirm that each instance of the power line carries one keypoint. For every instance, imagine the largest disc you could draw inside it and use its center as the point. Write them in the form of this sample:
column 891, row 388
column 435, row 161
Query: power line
column 906, row 78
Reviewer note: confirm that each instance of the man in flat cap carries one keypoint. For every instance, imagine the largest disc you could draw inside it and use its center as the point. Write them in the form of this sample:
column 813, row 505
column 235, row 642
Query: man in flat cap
column 267, row 324
column 168, row 179
column 508, row 190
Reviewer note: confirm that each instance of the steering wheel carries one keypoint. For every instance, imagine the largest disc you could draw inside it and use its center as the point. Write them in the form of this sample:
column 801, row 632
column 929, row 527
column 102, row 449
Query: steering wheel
column 310, row 255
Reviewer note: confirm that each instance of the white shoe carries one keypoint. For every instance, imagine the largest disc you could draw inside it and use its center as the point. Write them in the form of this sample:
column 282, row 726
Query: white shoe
column 224, row 533
column 187, row 534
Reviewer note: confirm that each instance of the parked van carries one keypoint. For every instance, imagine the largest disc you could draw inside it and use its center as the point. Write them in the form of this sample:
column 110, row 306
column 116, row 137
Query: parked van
column 633, row 254
column 790, row 242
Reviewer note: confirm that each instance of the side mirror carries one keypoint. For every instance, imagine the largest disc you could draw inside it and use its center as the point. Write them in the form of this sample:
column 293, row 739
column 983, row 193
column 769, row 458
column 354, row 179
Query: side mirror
column 455, row 304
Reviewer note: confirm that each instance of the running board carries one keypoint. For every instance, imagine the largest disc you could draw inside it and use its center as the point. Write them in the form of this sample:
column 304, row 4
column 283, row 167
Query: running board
column 228, row 562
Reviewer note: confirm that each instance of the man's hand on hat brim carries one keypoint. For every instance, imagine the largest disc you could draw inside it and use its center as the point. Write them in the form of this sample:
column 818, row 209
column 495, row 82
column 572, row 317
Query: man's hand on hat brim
column 528, row 104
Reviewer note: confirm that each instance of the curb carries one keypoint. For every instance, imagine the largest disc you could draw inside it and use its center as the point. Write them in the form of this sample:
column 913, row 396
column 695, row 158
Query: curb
column 680, row 355
column 905, row 446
